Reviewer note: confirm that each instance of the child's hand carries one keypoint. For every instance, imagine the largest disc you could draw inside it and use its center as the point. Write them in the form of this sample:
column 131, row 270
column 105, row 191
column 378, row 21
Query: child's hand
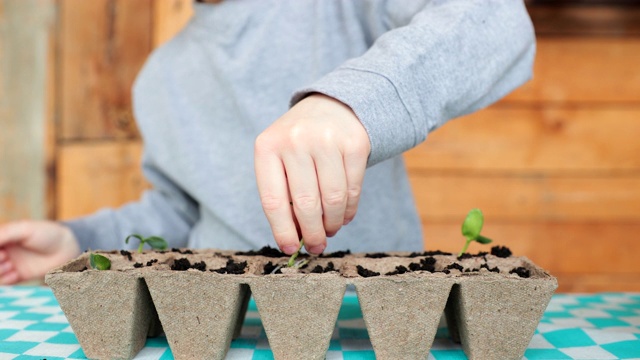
column 28, row 249
column 310, row 165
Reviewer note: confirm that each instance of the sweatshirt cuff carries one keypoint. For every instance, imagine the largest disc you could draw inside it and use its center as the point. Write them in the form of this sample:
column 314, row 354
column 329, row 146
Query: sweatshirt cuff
column 89, row 230
column 376, row 102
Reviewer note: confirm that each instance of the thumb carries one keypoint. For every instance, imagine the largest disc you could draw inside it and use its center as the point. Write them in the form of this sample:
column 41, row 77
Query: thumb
column 14, row 232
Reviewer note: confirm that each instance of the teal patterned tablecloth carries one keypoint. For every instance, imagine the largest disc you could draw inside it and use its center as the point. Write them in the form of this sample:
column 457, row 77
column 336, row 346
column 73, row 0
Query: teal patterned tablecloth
column 599, row 326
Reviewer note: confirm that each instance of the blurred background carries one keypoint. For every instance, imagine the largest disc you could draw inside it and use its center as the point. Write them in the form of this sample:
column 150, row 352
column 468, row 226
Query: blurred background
column 555, row 166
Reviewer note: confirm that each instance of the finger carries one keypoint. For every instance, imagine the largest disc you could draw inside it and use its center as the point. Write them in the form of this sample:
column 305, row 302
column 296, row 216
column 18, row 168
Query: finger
column 333, row 189
column 274, row 195
column 13, row 232
column 355, row 166
column 305, row 195
column 6, row 267
column 9, row 278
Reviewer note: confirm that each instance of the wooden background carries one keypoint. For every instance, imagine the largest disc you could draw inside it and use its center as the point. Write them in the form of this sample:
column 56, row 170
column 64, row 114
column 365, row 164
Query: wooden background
column 555, row 166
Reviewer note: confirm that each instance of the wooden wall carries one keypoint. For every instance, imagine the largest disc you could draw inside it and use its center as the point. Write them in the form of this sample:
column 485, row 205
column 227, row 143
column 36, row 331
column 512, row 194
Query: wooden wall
column 554, row 166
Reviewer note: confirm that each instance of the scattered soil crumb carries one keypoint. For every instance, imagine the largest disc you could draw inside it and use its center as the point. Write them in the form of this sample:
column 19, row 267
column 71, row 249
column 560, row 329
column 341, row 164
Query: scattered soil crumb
column 267, row 251
column 337, row 254
column 501, row 251
column 151, row 262
column 428, row 253
column 127, row 254
column 83, row 269
column 183, row 252
column 318, row 269
column 465, row 256
column 184, row 264
column 138, row 265
column 399, row 270
column 455, row 266
column 493, row 269
column 378, row 255
column 426, row 264
column 522, row 272
column 366, row 272
column 232, row 267
column 269, row 267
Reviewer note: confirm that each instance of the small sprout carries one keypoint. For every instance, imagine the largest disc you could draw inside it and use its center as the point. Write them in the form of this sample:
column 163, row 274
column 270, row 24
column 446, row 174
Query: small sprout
column 292, row 259
column 99, row 262
column 156, row 242
column 471, row 228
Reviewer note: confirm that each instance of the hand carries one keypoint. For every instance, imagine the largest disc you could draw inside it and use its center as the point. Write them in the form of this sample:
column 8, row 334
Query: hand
column 310, row 164
column 28, row 249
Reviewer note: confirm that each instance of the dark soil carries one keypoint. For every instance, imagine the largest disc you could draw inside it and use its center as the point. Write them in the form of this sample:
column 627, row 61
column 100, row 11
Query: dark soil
column 399, row 270
column 266, row 251
column 426, row 264
column 454, row 266
column 138, row 265
column 378, row 255
column 127, row 254
column 269, row 267
column 83, row 269
column 501, row 251
column 232, row 267
column 318, row 269
column 366, row 272
column 337, row 254
column 184, row 264
column 183, row 252
column 493, row 269
column 428, row 253
column 522, row 272
column 151, row 262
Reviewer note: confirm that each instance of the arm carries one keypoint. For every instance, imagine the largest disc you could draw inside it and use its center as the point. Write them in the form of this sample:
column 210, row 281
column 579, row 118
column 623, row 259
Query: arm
column 447, row 60
column 165, row 211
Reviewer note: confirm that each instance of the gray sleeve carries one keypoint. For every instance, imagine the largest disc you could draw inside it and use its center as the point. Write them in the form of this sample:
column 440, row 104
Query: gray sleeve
column 164, row 211
column 451, row 58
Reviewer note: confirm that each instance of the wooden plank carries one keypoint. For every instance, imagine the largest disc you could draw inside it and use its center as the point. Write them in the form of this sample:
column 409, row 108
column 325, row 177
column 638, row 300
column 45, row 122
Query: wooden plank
column 595, row 282
column 24, row 32
column 169, row 16
column 519, row 198
column 103, row 46
column 572, row 252
column 96, row 175
column 590, row 69
column 551, row 139
column 607, row 18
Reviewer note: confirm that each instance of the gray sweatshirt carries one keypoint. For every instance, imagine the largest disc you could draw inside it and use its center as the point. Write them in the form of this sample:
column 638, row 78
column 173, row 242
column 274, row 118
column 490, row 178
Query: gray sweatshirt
column 405, row 67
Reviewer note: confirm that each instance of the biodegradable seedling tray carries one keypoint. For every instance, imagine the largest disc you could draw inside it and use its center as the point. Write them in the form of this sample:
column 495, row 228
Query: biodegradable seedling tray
column 492, row 302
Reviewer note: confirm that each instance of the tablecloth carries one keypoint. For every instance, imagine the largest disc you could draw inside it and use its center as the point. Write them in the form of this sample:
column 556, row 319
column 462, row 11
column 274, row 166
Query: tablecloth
column 586, row 326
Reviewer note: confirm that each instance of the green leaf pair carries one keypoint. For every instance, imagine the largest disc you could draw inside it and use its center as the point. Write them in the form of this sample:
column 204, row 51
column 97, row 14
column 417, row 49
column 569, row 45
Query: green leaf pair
column 471, row 228
column 155, row 242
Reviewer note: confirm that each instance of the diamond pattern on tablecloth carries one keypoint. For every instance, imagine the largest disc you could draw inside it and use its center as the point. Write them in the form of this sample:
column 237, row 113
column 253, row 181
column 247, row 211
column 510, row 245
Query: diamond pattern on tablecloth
column 574, row 326
column 29, row 335
column 588, row 353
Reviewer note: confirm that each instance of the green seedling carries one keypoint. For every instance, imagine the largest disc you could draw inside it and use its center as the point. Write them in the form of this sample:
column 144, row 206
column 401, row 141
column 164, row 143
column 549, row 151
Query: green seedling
column 292, row 260
column 471, row 228
column 99, row 262
column 155, row 242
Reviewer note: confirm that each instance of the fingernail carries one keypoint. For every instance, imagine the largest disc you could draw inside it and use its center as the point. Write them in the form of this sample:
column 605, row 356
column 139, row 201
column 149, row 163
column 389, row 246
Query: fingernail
column 290, row 249
column 316, row 250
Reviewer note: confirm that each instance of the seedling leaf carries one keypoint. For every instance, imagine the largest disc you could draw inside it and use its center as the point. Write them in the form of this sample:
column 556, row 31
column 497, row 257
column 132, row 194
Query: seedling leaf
column 99, row 262
column 472, row 224
column 483, row 240
column 157, row 242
